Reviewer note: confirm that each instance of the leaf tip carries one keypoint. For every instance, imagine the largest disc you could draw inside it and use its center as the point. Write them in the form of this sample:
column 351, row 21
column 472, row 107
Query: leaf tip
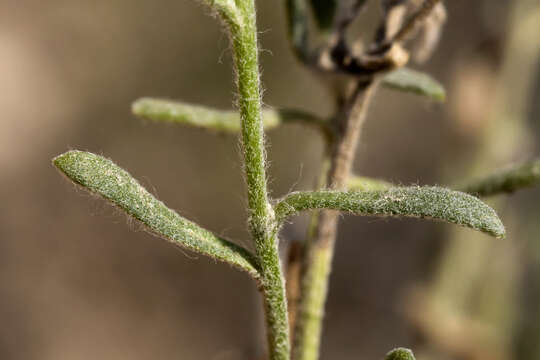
column 63, row 161
column 498, row 229
column 400, row 354
column 440, row 96
column 138, row 106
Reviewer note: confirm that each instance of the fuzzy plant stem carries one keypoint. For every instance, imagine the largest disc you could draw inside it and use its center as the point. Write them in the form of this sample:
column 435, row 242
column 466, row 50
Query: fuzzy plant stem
column 244, row 40
column 319, row 249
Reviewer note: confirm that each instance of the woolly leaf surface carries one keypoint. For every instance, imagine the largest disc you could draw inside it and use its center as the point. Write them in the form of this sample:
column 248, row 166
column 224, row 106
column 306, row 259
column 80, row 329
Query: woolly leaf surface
column 400, row 354
column 421, row 202
column 101, row 176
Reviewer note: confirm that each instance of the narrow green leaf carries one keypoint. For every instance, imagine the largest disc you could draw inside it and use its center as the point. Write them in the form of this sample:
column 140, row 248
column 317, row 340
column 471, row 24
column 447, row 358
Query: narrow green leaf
column 422, row 202
column 194, row 115
column 101, row 176
column 506, row 181
column 218, row 120
column 364, row 183
column 405, row 79
column 400, row 354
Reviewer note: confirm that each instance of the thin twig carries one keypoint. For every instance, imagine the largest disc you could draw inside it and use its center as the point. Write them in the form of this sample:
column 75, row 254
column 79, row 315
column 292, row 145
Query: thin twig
column 415, row 20
column 318, row 249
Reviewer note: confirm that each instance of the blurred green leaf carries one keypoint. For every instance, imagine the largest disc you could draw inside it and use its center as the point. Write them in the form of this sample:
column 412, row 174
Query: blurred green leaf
column 363, row 183
column 194, row 115
column 408, row 80
column 506, row 181
column 226, row 121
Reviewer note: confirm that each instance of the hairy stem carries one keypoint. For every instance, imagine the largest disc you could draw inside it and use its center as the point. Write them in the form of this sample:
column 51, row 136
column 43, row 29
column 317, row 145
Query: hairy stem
column 319, row 250
column 244, row 40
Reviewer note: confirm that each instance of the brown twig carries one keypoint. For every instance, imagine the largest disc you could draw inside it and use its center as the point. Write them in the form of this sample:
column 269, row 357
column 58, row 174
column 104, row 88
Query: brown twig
column 415, row 20
column 316, row 255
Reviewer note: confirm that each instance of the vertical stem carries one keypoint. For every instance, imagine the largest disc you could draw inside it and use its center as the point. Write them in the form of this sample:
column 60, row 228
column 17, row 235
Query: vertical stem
column 261, row 222
column 249, row 103
column 297, row 252
column 319, row 250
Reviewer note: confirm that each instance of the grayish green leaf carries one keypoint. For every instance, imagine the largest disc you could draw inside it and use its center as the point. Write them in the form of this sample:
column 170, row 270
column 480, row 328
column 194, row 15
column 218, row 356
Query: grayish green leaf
column 422, row 202
column 405, row 79
column 218, row 120
column 101, row 176
column 506, row 181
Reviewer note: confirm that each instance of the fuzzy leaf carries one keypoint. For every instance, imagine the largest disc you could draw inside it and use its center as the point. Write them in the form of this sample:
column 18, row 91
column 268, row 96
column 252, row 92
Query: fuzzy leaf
column 218, row 120
column 194, row 115
column 405, row 79
column 400, row 354
column 422, row 202
column 101, row 176
column 506, row 181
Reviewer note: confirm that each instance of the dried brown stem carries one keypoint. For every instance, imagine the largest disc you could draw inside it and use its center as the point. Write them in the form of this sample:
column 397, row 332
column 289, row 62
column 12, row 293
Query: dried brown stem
column 415, row 20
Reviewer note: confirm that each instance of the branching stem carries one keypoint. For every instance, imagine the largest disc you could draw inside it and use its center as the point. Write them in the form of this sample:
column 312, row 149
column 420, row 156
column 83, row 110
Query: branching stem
column 319, row 250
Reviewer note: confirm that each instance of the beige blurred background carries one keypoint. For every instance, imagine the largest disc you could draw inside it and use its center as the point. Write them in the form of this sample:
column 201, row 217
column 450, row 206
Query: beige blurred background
column 79, row 281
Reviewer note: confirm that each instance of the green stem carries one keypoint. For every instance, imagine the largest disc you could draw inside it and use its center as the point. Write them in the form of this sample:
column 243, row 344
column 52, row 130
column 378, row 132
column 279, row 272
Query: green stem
column 249, row 103
column 244, row 40
column 319, row 250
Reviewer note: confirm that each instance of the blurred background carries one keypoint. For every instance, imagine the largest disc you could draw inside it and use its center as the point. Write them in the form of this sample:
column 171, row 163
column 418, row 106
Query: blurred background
column 80, row 281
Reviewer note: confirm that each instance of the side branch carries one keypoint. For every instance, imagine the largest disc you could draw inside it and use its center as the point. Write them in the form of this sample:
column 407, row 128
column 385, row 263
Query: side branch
column 318, row 249
column 507, row 181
